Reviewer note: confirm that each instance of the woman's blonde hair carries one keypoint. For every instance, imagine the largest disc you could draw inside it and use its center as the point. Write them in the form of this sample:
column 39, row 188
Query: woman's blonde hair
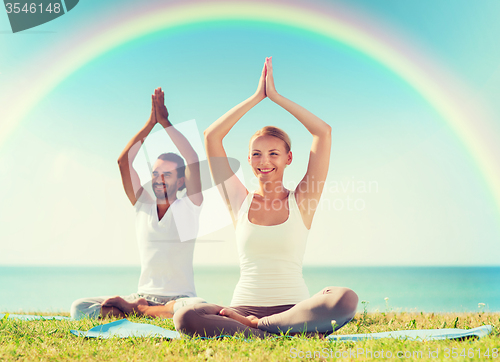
column 275, row 132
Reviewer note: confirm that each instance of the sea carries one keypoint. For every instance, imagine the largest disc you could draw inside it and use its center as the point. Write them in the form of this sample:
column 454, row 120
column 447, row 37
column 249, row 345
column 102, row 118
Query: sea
column 384, row 289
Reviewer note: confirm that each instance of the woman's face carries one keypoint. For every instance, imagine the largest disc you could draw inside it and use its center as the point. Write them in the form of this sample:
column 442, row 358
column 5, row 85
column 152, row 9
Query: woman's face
column 268, row 158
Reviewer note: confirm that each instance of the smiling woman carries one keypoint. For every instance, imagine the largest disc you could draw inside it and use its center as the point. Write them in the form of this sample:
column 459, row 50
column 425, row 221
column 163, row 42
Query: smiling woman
column 272, row 225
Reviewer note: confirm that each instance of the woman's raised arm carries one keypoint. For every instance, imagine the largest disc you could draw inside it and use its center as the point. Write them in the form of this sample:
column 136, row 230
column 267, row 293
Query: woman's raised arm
column 231, row 188
column 309, row 189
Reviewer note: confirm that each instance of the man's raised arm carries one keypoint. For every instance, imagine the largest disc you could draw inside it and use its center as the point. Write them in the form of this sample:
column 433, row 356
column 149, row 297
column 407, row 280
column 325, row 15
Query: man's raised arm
column 192, row 174
column 130, row 178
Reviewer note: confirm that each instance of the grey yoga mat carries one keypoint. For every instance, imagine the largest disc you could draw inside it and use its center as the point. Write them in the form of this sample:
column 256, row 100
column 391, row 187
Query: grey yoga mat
column 125, row 329
column 28, row 317
column 421, row 334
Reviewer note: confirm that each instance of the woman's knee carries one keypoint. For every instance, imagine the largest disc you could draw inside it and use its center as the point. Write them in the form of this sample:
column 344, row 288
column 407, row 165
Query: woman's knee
column 349, row 301
column 343, row 298
column 349, row 305
column 184, row 319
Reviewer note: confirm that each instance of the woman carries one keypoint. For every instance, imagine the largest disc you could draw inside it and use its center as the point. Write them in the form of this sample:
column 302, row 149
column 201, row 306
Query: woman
column 272, row 225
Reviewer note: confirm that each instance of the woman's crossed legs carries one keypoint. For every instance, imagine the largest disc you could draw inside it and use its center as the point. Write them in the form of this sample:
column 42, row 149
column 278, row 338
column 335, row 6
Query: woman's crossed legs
column 311, row 315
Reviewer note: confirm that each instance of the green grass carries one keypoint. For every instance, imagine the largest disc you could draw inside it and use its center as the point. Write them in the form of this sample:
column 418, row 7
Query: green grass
column 52, row 341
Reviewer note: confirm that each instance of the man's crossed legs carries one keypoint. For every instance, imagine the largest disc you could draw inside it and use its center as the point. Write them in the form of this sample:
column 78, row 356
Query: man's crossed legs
column 139, row 304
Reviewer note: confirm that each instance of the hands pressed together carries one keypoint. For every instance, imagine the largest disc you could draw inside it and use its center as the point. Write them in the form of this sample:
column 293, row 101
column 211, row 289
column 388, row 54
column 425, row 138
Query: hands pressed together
column 159, row 113
column 266, row 86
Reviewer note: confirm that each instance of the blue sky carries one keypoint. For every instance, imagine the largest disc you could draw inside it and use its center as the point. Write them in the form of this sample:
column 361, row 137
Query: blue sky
column 62, row 193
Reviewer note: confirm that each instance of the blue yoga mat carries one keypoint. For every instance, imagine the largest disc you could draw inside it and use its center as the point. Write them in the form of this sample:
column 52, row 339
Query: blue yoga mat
column 28, row 317
column 422, row 334
column 124, row 329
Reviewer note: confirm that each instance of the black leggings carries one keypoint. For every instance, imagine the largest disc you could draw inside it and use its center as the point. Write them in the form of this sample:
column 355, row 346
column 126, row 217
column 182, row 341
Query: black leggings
column 311, row 315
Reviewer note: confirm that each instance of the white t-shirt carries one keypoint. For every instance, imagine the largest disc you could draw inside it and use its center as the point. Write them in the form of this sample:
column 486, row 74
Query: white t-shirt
column 166, row 246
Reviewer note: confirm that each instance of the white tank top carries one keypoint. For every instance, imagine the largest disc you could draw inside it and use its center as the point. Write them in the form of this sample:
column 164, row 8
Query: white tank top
column 270, row 259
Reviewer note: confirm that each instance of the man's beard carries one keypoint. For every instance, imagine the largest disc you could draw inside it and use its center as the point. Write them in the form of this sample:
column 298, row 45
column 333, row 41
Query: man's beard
column 161, row 193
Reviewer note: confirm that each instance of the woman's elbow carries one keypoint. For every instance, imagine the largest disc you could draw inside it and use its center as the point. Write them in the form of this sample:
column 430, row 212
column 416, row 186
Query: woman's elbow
column 210, row 137
column 212, row 134
column 325, row 132
column 207, row 133
column 328, row 130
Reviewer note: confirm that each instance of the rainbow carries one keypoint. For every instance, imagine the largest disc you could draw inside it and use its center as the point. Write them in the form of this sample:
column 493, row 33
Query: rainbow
column 339, row 29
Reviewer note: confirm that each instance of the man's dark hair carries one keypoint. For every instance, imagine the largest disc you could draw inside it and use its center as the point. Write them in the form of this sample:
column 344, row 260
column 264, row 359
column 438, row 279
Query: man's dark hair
column 181, row 167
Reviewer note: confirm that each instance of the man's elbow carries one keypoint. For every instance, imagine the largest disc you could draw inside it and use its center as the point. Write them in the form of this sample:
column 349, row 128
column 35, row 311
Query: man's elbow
column 122, row 162
column 192, row 160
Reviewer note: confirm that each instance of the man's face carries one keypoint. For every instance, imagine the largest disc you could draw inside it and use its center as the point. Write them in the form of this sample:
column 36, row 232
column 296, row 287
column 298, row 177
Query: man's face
column 164, row 180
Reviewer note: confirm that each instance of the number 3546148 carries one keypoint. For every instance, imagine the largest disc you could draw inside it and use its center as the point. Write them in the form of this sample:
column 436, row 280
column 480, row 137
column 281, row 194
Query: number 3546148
column 470, row 353
column 32, row 8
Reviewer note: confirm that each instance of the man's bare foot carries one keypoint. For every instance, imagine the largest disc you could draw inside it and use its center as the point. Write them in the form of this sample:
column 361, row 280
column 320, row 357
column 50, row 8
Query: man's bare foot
column 170, row 306
column 122, row 304
column 109, row 312
column 250, row 321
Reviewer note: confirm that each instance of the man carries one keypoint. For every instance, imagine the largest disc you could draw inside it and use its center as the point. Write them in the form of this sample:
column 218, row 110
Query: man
column 166, row 227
